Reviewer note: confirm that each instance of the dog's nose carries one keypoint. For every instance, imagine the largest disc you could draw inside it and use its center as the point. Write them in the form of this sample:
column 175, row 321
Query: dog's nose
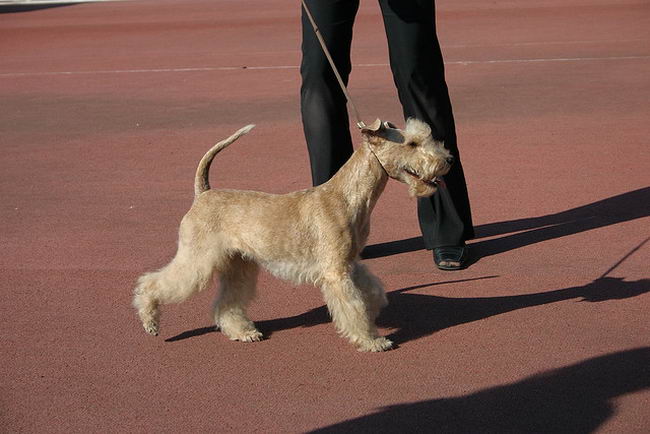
column 450, row 160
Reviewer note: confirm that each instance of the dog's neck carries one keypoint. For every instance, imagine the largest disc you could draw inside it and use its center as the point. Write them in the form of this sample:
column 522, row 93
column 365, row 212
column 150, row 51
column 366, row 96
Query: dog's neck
column 361, row 180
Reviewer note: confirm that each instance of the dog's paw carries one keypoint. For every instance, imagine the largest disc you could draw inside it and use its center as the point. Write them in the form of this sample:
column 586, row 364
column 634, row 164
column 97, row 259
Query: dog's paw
column 247, row 336
column 376, row 345
column 151, row 327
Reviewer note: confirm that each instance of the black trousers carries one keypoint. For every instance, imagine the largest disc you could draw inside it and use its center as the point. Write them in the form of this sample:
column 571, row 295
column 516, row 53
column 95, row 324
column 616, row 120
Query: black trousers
column 418, row 71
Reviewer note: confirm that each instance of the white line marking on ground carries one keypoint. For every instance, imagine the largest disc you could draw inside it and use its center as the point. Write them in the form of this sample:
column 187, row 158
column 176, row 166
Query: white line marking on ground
column 557, row 59
column 532, row 43
column 360, row 65
column 48, row 2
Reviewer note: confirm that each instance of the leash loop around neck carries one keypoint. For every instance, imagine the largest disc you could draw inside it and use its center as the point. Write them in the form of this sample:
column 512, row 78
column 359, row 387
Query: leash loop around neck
column 360, row 123
column 377, row 158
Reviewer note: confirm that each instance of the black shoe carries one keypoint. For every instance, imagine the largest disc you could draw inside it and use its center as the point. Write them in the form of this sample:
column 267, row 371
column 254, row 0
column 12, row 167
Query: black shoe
column 457, row 254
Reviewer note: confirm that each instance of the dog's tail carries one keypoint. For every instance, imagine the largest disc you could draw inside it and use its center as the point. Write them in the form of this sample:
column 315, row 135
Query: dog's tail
column 201, row 182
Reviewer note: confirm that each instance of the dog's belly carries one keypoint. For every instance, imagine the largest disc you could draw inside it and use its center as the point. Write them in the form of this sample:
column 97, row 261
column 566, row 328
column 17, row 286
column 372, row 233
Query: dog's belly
column 298, row 272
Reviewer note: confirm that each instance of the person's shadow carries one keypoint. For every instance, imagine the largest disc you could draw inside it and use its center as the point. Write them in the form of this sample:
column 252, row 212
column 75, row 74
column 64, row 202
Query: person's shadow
column 576, row 399
column 617, row 209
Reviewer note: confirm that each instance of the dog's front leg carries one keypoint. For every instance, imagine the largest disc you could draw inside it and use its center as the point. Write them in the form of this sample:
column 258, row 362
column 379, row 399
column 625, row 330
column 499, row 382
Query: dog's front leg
column 371, row 288
column 352, row 314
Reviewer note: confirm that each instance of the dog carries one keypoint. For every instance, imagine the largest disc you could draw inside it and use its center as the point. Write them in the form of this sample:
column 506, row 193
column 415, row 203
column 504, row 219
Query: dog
column 310, row 236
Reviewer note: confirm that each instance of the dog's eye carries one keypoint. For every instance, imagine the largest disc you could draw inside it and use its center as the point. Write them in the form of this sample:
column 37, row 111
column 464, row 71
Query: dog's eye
column 412, row 144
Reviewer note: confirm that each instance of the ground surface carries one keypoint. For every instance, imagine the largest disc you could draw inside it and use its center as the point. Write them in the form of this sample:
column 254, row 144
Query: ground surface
column 106, row 110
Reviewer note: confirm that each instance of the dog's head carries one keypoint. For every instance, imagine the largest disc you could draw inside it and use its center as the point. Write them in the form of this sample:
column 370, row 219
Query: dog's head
column 410, row 155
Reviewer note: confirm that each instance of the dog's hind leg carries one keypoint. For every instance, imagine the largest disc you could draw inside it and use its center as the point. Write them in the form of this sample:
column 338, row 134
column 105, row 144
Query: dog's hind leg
column 351, row 313
column 238, row 279
column 188, row 273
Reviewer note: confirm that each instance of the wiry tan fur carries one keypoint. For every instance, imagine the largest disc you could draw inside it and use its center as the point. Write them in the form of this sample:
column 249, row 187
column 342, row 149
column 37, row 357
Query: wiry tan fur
column 310, row 236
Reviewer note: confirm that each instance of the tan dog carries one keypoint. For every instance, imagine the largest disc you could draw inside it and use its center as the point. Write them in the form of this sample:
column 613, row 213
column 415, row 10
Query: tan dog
column 310, row 236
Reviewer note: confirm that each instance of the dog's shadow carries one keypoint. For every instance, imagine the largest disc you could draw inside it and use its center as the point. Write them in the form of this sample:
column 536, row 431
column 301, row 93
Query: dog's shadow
column 192, row 334
column 413, row 316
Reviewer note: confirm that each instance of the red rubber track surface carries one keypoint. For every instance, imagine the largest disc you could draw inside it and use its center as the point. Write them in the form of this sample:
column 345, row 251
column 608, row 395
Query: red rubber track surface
column 106, row 110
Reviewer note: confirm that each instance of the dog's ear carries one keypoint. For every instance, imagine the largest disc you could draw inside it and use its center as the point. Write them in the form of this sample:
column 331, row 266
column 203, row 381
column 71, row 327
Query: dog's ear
column 380, row 132
column 373, row 129
column 373, row 133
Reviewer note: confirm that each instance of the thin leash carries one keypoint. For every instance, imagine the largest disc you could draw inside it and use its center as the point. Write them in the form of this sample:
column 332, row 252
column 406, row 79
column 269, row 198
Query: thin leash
column 613, row 267
column 360, row 123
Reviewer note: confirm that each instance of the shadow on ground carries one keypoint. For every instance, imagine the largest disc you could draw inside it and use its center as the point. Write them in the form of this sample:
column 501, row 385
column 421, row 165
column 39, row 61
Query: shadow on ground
column 413, row 316
column 5, row 9
column 192, row 333
column 575, row 399
column 617, row 209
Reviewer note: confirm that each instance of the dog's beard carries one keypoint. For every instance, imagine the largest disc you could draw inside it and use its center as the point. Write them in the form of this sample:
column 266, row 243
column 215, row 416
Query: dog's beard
column 421, row 189
column 421, row 185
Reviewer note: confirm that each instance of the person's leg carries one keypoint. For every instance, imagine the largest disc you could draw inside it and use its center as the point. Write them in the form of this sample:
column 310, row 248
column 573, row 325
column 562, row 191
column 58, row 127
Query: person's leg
column 418, row 71
column 323, row 104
